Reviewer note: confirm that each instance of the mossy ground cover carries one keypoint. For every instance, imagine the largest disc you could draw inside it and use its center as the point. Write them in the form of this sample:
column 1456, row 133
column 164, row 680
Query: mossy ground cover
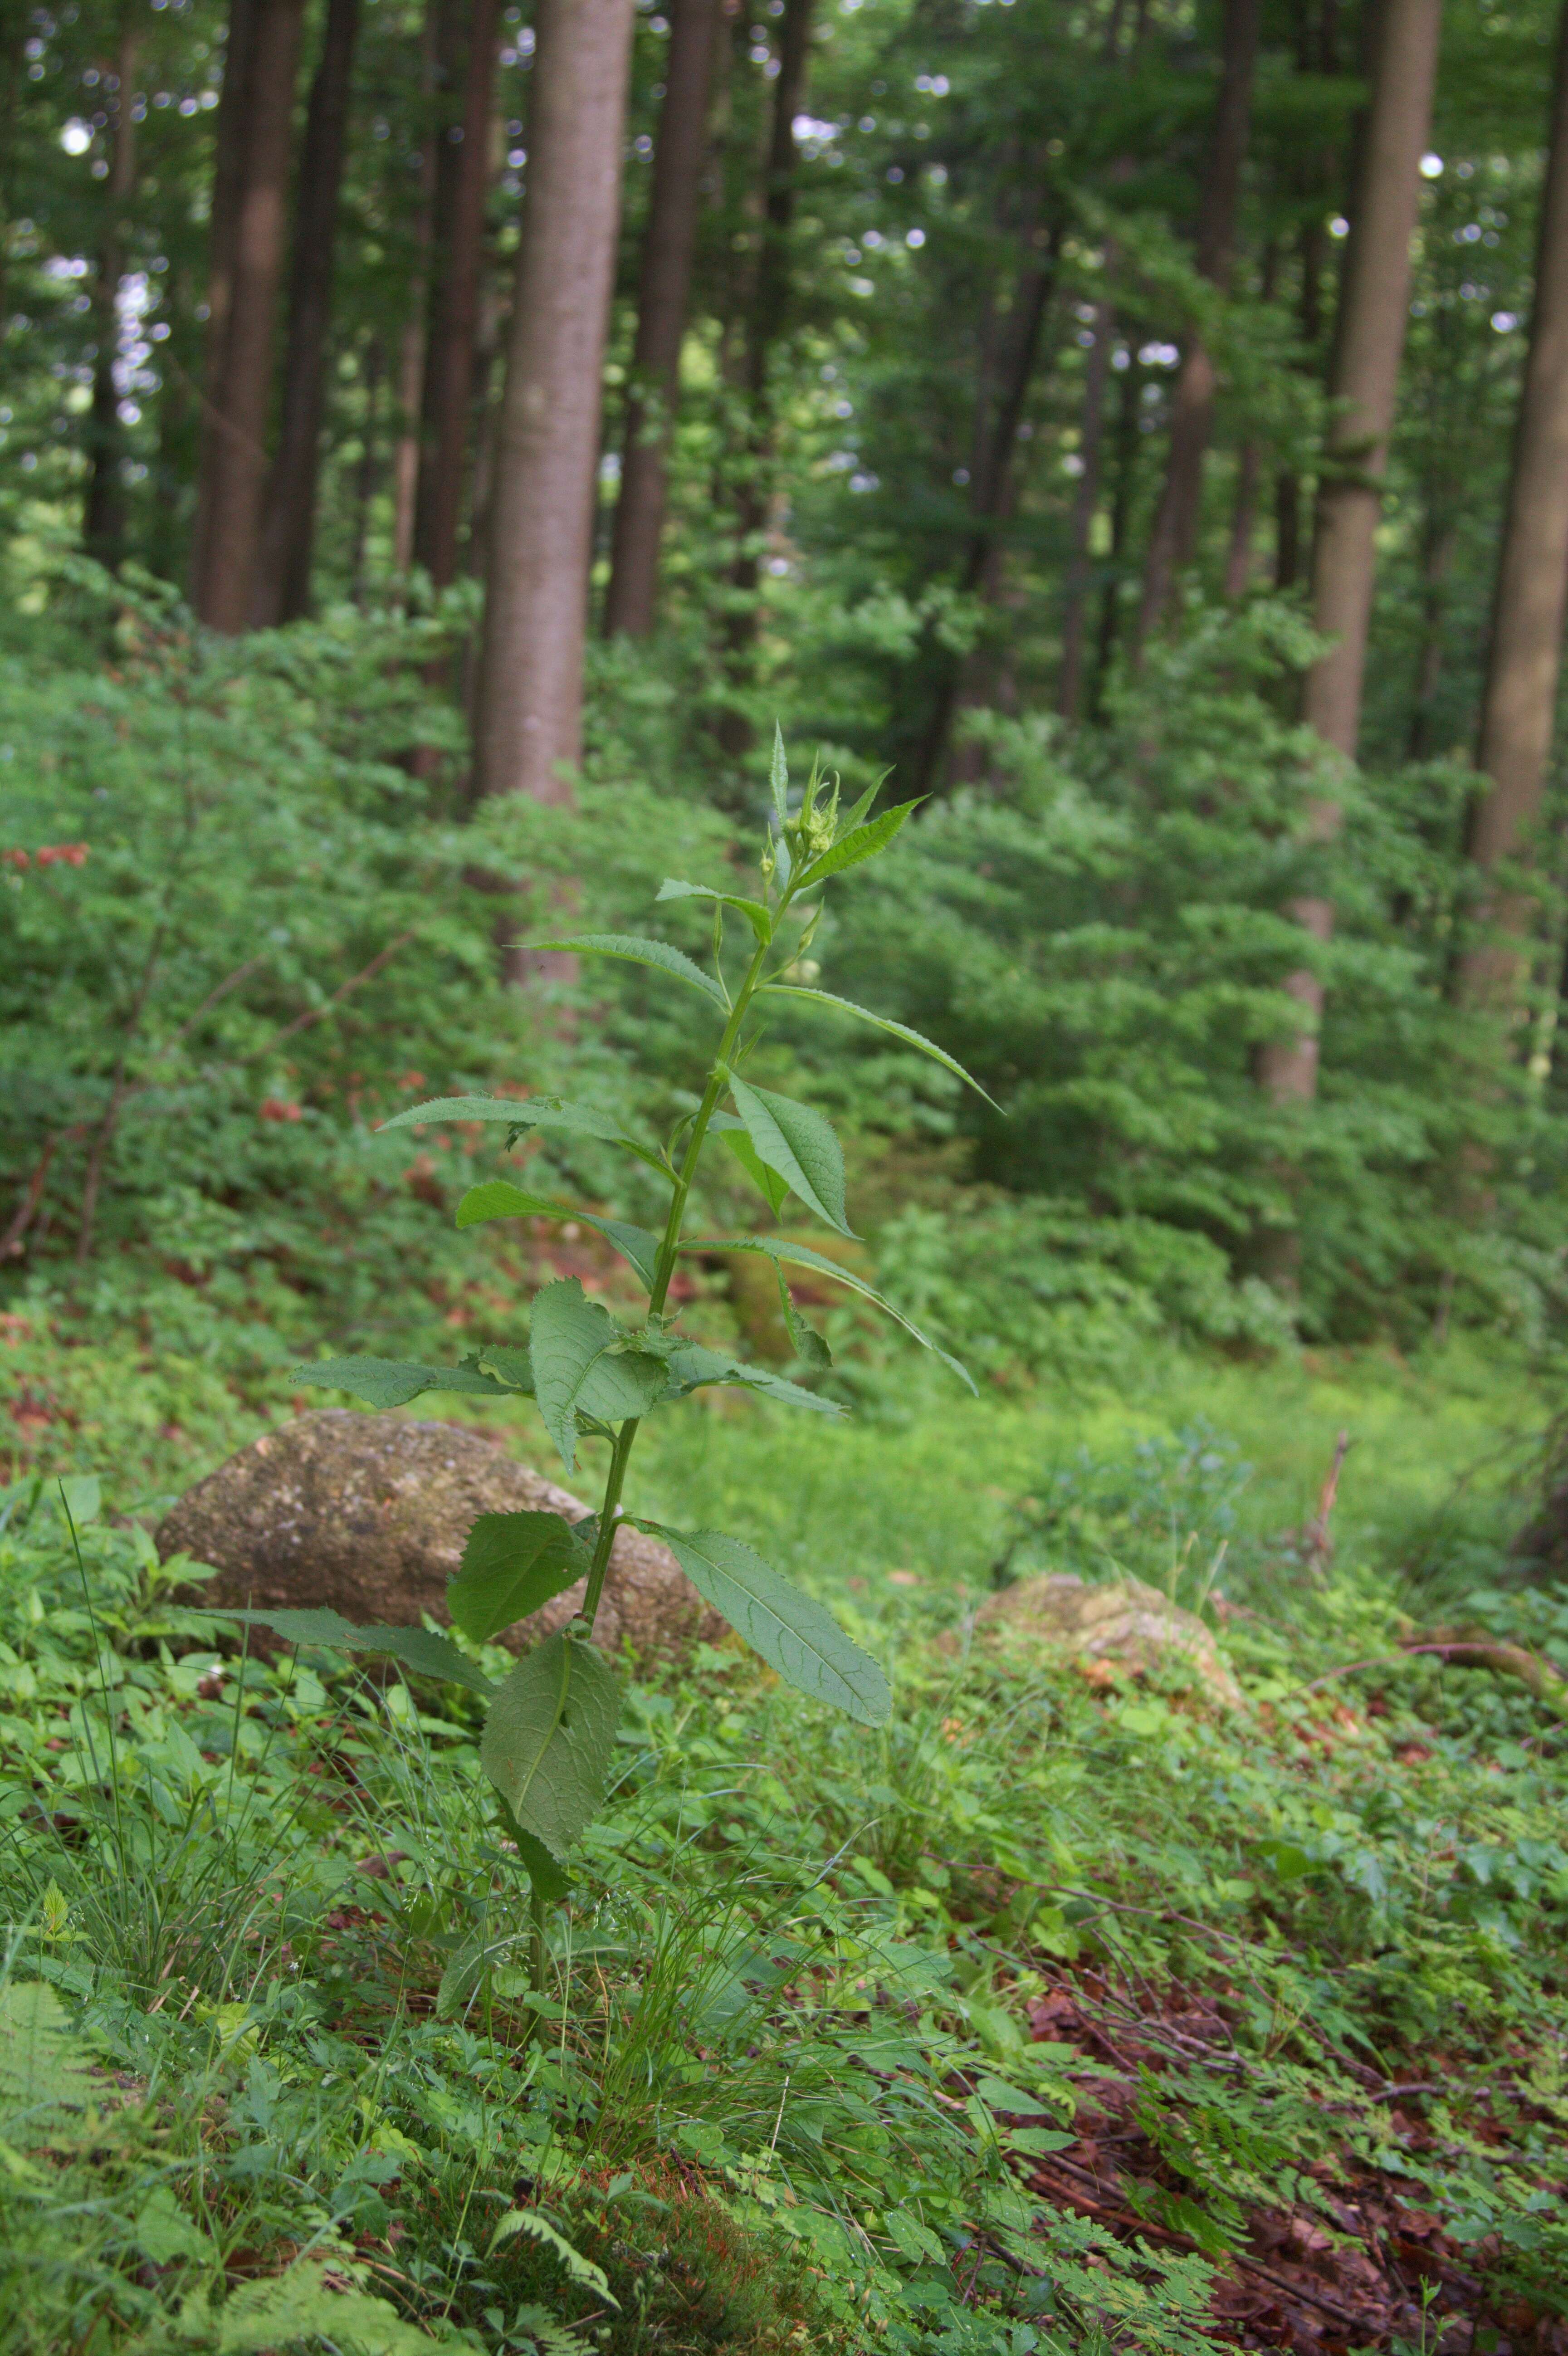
column 1055, row 2015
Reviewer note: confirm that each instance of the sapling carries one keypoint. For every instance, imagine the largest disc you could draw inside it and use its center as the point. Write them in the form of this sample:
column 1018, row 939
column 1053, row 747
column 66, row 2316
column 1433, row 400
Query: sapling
column 551, row 1723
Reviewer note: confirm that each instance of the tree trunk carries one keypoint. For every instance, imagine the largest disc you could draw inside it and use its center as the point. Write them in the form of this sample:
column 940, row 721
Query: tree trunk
column 991, row 488
column 289, row 532
column 1369, row 342
column 766, row 316
column 1437, row 557
column 462, row 187
column 227, row 187
column 1243, row 523
column 1085, row 507
column 663, row 293
column 365, row 472
column 528, row 721
column 1520, row 701
column 1174, row 539
column 1126, row 457
column 240, row 399
column 103, row 521
column 409, row 389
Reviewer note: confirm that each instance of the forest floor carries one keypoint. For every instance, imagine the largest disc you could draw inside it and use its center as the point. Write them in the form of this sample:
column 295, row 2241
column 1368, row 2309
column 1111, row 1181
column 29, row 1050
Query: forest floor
column 1065, row 2013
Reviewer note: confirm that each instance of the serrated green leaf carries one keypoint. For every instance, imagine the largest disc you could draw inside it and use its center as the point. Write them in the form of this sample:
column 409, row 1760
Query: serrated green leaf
column 539, row 2229
column 790, row 1629
column 392, row 1382
column 636, row 950
column 860, row 843
column 882, row 1023
column 511, row 1366
column 43, row 2067
column 518, row 1112
column 421, row 1649
column 582, row 1364
column 547, row 1739
column 546, row 1874
column 805, row 1341
column 692, row 1366
column 768, row 1183
column 778, row 775
column 802, row 1256
column 756, row 915
column 497, row 1198
column 512, row 1564
column 796, row 1141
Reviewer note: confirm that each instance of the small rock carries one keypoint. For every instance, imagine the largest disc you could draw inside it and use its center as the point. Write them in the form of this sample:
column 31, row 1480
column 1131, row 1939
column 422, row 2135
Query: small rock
column 368, row 1514
column 1122, row 1621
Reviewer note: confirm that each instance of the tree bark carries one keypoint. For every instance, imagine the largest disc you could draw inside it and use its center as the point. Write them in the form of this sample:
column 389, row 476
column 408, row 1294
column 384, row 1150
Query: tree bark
column 528, row 721
column 1125, row 446
column 365, row 472
column 1085, row 507
column 1243, row 523
column 1519, row 699
column 663, row 295
column 766, row 316
column 462, row 187
column 991, row 483
column 289, row 532
column 239, row 399
column 223, row 234
column 410, row 388
column 1174, row 539
column 103, row 520
column 1369, row 343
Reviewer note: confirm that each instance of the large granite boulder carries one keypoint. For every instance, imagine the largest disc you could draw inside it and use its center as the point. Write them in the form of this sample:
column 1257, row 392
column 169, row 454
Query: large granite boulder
column 369, row 1514
column 1122, row 1622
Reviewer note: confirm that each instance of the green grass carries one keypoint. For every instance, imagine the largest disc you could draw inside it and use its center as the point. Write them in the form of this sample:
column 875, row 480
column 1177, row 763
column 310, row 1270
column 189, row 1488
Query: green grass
column 301, row 2070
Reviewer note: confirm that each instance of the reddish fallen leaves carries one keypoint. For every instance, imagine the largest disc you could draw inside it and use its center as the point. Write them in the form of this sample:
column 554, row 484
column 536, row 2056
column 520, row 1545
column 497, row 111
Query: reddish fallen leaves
column 1348, row 2273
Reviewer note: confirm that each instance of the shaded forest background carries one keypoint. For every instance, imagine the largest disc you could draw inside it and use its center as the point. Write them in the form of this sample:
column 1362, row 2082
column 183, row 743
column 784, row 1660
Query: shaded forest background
column 437, row 444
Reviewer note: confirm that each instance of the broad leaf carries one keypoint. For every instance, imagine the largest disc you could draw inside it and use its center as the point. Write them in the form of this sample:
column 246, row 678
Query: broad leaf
column 802, row 1256
column 509, row 1365
column 638, row 951
column 581, row 1364
column 692, row 1366
column 549, row 1738
column 882, row 1022
column 754, row 911
column 518, row 1112
column 861, row 842
column 795, row 1140
column 512, row 1563
column 791, row 1632
column 497, row 1198
column 546, row 1873
column 392, row 1382
column 419, row 1649
column 769, row 1183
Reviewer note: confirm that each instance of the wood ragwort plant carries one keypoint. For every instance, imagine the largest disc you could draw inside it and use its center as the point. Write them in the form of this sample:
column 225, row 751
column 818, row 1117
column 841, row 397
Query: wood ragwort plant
column 550, row 1724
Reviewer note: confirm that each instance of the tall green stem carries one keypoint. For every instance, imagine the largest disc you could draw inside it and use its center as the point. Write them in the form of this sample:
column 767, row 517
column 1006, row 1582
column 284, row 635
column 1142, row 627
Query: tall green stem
column 665, row 1266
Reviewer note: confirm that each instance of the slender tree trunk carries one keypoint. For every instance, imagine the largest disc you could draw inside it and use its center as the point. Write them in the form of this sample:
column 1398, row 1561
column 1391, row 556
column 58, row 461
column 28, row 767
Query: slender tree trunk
column 1174, row 540
column 991, row 486
column 412, row 343
column 289, row 531
column 766, row 316
column 223, row 235
column 528, row 721
column 462, row 187
column 1085, row 507
column 103, row 522
column 1436, row 558
column 240, row 400
column 1126, row 465
column 1369, row 343
column 365, row 472
column 1243, row 524
column 1520, row 701
column 663, row 293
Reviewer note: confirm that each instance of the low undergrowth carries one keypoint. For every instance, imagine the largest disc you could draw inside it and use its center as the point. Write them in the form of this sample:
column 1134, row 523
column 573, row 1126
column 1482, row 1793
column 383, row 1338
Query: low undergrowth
column 1054, row 2015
